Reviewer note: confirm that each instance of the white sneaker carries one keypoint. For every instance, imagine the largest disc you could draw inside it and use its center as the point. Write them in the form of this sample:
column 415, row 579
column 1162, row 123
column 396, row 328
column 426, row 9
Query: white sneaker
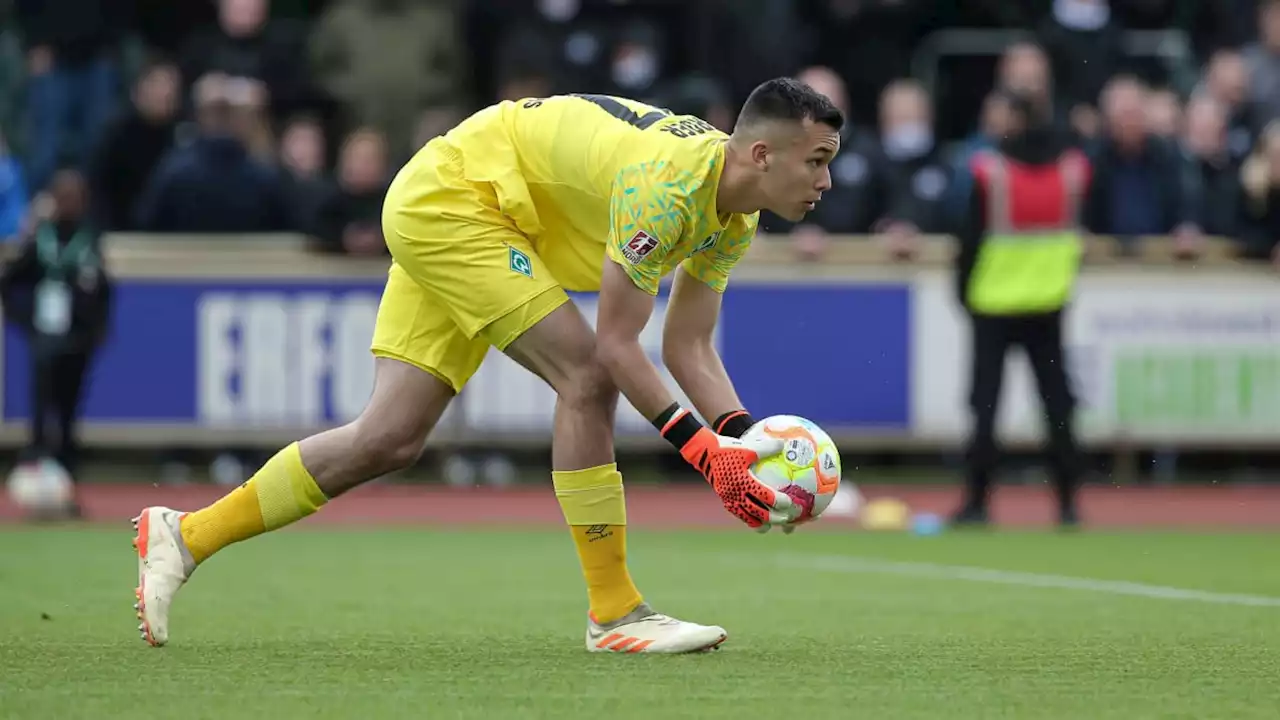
column 164, row 564
column 645, row 631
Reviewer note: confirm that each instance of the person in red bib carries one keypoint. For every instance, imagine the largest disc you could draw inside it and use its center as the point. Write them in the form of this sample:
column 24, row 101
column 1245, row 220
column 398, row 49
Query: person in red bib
column 1020, row 250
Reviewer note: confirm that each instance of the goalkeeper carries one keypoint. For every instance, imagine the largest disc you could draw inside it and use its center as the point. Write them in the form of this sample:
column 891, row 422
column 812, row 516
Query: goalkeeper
column 489, row 226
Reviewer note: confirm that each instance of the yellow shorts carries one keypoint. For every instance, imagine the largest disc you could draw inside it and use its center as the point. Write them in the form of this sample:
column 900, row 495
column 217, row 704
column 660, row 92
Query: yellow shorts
column 464, row 278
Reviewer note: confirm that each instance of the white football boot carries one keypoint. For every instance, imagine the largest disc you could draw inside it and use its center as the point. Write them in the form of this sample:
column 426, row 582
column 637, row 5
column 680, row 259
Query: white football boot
column 164, row 564
column 645, row 631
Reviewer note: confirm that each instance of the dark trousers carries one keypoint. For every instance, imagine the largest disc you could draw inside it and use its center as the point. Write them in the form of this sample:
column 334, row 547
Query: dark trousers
column 67, row 110
column 1040, row 336
column 57, row 381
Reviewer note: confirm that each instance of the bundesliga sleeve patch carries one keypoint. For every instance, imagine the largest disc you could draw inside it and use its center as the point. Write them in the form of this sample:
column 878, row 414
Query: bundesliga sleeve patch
column 639, row 247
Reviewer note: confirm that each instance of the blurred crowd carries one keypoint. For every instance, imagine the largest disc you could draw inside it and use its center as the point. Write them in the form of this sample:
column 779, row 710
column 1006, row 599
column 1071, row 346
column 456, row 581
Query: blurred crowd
column 223, row 116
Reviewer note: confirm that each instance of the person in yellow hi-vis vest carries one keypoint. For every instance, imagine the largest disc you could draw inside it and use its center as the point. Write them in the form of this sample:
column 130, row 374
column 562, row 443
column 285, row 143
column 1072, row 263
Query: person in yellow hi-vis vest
column 1020, row 250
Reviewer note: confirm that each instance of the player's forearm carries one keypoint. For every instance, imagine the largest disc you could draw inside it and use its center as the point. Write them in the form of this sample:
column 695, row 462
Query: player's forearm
column 635, row 375
column 698, row 369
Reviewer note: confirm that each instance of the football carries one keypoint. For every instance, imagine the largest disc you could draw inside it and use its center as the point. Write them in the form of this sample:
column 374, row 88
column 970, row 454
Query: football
column 39, row 487
column 807, row 469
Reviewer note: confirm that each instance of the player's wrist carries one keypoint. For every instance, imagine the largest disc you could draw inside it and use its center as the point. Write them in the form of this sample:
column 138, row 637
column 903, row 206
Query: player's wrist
column 679, row 426
column 734, row 423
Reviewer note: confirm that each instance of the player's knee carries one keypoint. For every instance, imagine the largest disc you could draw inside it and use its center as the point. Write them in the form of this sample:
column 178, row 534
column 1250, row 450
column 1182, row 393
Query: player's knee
column 387, row 448
column 588, row 387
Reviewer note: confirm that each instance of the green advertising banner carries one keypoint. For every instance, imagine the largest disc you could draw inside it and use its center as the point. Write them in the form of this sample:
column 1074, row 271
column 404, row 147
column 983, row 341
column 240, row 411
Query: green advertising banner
column 1157, row 356
column 1193, row 388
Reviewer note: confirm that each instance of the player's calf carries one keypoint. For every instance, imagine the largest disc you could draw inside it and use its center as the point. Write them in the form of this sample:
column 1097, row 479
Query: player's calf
column 296, row 482
column 560, row 349
column 388, row 436
column 368, row 448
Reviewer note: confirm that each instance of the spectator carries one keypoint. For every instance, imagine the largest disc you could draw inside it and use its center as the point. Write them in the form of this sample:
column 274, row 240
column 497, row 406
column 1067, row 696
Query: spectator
column 58, row 291
column 1204, row 138
column 253, row 119
column 916, row 178
column 246, row 45
column 1262, row 60
column 993, row 125
column 636, row 60
column 385, row 60
column 1164, row 113
column 350, row 219
column 1226, row 80
column 1024, row 68
column 1085, row 44
column 73, row 77
column 1142, row 185
column 212, row 184
column 302, row 158
column 1260, row 206
column 133, row 146
column 994, row 122
column 13, row 195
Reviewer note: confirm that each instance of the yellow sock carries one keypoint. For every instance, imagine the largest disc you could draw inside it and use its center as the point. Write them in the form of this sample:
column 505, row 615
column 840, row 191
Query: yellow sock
column 594, row 507
column 280, row 493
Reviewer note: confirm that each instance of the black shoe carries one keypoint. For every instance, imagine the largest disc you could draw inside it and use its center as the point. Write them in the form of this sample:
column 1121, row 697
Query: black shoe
column 971, row 516
column 1068, row 518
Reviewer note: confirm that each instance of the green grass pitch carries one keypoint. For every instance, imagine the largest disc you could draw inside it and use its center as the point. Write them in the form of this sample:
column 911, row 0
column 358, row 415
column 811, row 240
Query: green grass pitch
column 367, row 624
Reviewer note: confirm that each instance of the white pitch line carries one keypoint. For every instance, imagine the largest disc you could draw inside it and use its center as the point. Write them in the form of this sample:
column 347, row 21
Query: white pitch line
column 932, row 571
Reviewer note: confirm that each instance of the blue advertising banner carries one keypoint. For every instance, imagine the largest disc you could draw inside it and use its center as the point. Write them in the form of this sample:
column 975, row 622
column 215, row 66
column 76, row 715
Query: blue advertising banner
column 271, row 354
column 838, row 355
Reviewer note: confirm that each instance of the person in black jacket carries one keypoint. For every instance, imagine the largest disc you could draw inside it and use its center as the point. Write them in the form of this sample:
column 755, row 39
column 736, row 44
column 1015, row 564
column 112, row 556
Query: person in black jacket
column 915, row 175
column 1015, row 274
column 349, row 219
column 58, row 291
column 1143, row 185
column 1259, row 199
column 1204, row 140
column 213, row 183
column 133, row 146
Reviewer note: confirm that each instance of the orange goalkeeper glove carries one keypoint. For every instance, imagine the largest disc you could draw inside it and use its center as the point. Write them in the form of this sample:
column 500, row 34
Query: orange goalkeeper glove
column 726, row 463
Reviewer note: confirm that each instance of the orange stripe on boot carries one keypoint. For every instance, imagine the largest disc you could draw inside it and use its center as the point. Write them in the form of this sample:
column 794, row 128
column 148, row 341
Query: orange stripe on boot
column 609, row 639
column 624, row 643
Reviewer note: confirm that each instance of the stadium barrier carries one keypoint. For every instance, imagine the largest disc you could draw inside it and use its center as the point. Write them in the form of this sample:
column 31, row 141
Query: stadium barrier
column 254, row 341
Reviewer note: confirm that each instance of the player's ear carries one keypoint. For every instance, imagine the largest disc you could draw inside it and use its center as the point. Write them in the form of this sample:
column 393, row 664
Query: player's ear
column 760, row 155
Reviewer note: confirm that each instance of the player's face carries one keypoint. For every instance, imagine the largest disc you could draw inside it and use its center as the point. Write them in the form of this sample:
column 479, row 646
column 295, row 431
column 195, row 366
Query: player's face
column 799, row 170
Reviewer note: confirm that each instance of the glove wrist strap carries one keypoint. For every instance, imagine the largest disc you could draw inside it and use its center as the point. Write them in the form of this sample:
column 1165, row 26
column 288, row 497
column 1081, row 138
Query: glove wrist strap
column 734, row 423
column 677, row 425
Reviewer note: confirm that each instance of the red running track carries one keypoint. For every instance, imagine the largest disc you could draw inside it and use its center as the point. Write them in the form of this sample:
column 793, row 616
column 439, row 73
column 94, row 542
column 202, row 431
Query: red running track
column 694, row 506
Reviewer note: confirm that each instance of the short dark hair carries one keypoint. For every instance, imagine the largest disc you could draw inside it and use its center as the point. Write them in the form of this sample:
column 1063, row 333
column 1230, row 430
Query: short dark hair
column 1023, row 105
column 789, row 99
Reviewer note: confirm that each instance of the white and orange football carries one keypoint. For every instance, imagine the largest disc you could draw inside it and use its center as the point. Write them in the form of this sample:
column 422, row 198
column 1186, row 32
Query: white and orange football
column 807, row 469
